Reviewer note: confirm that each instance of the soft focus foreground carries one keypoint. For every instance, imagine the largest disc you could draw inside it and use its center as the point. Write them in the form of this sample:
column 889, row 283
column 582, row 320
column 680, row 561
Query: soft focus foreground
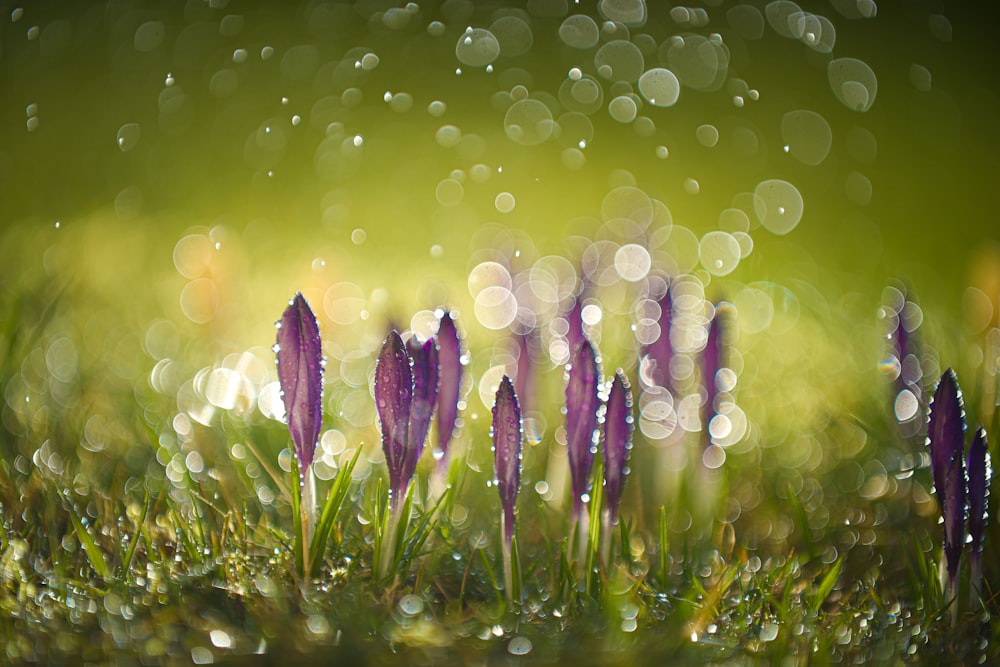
column 168, row 178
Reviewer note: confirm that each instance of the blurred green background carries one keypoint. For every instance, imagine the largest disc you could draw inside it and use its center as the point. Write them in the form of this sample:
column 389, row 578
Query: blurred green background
column 171, row 173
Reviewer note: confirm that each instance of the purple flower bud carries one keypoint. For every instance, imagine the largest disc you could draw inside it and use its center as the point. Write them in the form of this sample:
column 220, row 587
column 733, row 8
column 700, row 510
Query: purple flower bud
column 660, row 351
column 574, row 318
column 617, row 441
column 524, row 377
column 946, row 440
column 711, row 363
column 449, row 388
column 300, row 375
column 979, row 472
column 507, row 451
column 393, row 400
column 904, row 352
column 424, row 360
column 582, row 403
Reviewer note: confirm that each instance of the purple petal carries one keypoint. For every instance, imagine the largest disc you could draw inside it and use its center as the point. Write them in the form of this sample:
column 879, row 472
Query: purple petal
column 425, row 390
column 946, row 440
column 711, row 362
column 660, row 351
column 617, row 441
column 524, row 377
column 574, row 317
column 979, row 472
column 507, row 451
column 450, row 385
column 300, row 375
column 393, row 398
column 582, row 403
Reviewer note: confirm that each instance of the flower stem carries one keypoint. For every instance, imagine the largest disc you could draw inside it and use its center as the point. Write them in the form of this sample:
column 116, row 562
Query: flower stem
column 975, row 579
column 387, row 557
column 508, row 570
column 304, row 491
column 606, row 529
column 582, row 525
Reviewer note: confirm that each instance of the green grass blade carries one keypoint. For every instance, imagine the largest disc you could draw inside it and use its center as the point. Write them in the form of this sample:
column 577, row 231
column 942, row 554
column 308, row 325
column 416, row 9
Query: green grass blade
column 826, row 585
column 418, row 536
column 331, row 511
column 664, row 548
column 90, row 547
column 802, row 518
column 130, row 553
column 515, row 558
column 497, row 588
column 590, row 575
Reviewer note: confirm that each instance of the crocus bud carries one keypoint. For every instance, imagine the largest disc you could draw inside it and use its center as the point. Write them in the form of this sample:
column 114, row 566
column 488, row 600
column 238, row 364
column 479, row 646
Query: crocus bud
column 979, row 472
column 524, row 380
column 660, row 351
column 574, row 318
column 618, row 422
column 424, row 359
column 393, row 400
column 300, row 375
column 507, row 452
column 946, row 440
column 711, row 362
column 582, row 403
column 450, row 382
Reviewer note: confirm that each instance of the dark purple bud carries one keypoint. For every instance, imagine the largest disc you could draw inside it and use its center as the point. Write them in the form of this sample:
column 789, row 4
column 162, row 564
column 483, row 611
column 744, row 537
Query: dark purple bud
column 711, row 362
column 946, row 440
column 574, row 336
column 524, row 377
column 979, row 472
column 904, row 347
column 507, row 451
column 393, row 399
column 300, row 375
column 425, row 389
column 582, row 403
column 450, row 385
column 660, row 351
column 617, row 441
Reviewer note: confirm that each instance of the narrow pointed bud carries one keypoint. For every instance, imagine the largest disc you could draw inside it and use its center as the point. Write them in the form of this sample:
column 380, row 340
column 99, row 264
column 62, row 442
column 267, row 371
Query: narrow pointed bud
column 393, row 400
column 980, row 472
column 618, row 424
column 661, row 351
column 425, row 390
column 450, row 383
column 946, row 440
column 582, row 403
column 524, row 380
column 507, row 451
column 711, row 363
column 300, row 375
column 574, row 318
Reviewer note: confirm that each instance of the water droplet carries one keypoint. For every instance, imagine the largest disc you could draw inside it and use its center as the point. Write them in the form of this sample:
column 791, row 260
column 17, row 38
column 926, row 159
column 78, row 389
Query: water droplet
column 519, row 646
